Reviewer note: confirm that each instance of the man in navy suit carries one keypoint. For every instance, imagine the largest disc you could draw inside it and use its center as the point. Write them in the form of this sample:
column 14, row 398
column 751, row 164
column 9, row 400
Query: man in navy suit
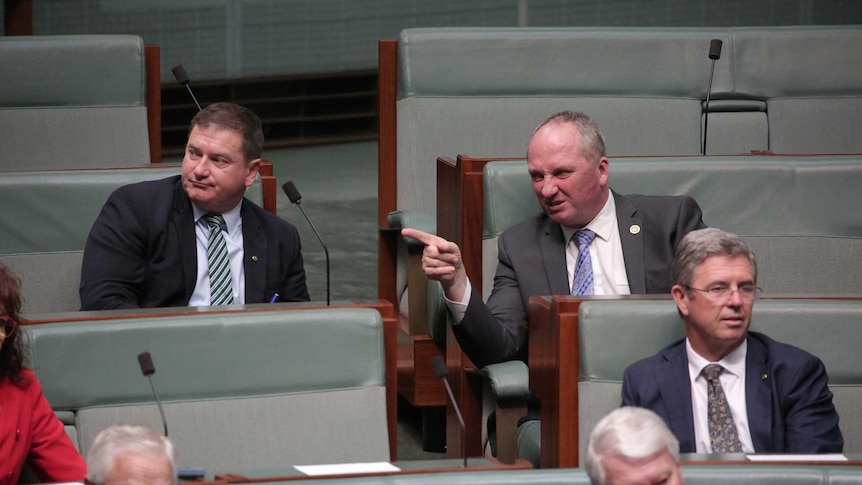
column 777, row 394
column 634, row 243
column 148, row 246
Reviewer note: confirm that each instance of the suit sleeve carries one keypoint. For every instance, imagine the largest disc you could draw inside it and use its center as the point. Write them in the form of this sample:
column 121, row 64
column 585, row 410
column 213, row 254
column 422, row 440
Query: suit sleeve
column 114, row 262
column 52, row 455
column 689, row 219
column 811, row 421
column 496, row 332
column 293, row 285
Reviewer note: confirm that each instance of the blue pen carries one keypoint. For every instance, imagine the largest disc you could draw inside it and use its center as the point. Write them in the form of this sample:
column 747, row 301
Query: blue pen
column 274, row 298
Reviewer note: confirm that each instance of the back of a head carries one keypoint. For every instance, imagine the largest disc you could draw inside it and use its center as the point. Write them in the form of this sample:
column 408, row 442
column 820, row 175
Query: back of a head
column 631, row 432
column 120, row 440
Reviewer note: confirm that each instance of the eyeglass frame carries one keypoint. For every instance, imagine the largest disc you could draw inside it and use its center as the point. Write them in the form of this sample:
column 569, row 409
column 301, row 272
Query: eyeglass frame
column 8, row 324
column 724, row 292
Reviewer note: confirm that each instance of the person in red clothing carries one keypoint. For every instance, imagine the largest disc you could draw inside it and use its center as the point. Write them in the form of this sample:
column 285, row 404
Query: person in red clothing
column 29, row 430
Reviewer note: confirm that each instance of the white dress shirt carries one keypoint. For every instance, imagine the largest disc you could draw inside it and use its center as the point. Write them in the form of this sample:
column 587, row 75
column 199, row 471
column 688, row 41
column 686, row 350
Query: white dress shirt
column 732, row 380
column 233, row 239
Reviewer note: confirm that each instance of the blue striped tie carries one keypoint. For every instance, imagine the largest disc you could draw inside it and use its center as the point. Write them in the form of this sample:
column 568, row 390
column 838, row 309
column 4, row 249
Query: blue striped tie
column 221, row 286
column 582, row 281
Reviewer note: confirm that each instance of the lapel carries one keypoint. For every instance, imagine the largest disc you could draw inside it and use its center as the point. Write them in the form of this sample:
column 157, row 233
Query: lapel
column 758, row 395
column 254, row 243
column 182, row 222
column 633, row 246
column 552, row 247
column 675, row 390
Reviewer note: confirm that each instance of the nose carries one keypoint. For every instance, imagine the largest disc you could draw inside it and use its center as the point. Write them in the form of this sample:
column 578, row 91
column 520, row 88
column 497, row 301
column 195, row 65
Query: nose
column 548, row 187
column 735, row 297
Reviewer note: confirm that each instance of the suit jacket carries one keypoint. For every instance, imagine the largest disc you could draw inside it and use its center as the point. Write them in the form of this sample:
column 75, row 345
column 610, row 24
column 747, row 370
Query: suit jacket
column 532, row 261
column 141, row 251
column 31, row 432
column 788, row 401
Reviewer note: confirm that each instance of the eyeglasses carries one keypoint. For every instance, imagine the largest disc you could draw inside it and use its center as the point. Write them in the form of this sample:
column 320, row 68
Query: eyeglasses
column 8, row 325
column 723, row 292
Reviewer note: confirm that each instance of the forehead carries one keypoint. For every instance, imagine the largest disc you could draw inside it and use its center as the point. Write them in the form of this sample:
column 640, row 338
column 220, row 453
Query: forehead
column 555, row 145
column 722, row 266
column 215, row 138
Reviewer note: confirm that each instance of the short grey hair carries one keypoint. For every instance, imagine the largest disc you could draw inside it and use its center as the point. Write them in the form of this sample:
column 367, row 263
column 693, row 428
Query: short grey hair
column 698, row 245
column 631, row 432
column 592, row 143
column 126, row 439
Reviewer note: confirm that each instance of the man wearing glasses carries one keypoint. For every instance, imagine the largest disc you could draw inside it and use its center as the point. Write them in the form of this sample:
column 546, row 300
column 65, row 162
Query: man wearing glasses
column 724, row 389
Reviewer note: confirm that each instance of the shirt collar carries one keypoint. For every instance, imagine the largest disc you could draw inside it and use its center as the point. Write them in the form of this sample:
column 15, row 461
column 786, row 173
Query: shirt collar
column 231, row 218
column 733, row 363
column 602, row 224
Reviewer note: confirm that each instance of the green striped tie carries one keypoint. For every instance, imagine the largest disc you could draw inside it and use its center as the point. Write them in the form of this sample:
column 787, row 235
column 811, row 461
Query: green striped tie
column 221, row 287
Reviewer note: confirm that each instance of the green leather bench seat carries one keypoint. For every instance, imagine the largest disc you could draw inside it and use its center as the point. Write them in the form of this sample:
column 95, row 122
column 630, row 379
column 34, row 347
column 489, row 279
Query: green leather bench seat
column 241, row 390
column 615, row 334
column 47, row 219
column 798, row 214
column 73, row 101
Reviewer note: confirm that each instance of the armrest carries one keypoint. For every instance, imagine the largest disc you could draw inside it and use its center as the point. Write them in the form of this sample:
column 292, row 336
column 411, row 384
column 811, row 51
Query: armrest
column 510, row 384
column 509, row 381
column 415, row 219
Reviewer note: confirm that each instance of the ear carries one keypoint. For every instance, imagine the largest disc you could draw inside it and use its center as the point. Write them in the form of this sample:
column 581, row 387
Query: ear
column 680, row 296
column 253, row 167
column 604, row 166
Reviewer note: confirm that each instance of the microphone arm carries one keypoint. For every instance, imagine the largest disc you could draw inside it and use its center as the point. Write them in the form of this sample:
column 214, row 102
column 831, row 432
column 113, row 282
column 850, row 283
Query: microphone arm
column 441, row 372
column 714, row 54
column 293, row 194
column 148, row 369
column 183, row 78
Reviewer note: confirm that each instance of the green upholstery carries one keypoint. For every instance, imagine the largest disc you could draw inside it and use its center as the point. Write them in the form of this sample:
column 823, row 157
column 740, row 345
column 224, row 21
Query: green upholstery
column 782, row 206
column 73, row 101
column 614, row 334
column 241, row 390
column 43, row 237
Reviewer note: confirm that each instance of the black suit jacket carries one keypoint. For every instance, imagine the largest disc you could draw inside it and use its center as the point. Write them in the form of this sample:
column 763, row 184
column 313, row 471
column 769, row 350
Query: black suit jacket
column 141, row 251
column 788, row 400
column 532, row 261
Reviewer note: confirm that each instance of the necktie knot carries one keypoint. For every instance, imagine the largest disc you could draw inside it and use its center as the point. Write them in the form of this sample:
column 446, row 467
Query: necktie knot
column 215, row 221
column 712, row 371
column 583, row 238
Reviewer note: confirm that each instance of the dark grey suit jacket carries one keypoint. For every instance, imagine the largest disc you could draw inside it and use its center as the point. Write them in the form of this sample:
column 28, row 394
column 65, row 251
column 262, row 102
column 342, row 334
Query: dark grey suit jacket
column 532, row 261
column 788, row 401
column 141, row 253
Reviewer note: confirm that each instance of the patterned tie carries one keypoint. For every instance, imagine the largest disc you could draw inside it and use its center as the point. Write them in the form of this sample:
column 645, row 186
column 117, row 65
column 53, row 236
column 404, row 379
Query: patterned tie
column 722, row 429
column 582, row 281
column 221, row 287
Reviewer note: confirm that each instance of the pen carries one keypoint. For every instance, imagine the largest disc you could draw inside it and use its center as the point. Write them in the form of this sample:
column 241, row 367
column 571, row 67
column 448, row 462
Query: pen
column 274, row 298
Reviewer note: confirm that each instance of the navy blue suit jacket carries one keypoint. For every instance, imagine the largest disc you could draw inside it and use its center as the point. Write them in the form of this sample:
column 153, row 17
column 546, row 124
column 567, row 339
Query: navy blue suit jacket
column 141, row 252
column 787, row 398
column 532, row 261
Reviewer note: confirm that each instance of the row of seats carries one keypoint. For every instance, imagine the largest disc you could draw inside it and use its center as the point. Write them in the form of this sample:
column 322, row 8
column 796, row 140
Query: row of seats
column 254, row 387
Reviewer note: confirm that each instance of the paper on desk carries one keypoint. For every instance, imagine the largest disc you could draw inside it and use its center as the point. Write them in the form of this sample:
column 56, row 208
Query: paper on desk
column 783, row 457
column 347, row 468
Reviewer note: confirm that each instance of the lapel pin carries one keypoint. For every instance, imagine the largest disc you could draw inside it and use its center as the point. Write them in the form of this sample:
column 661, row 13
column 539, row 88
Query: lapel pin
column 254, row 258
column 763, row 377
column 635, row 229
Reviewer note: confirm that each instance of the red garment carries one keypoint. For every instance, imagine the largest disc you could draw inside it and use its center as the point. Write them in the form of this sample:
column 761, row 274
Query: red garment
column 30, row 431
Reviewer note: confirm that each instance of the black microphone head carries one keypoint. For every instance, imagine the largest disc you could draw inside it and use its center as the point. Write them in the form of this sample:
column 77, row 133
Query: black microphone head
column 180, row 74
column 715, row 49
column 146, row 363
column 292, row 192
column 439, row 366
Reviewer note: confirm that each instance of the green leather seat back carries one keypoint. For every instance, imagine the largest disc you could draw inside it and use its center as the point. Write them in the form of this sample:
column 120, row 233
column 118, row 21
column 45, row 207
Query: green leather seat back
column 73, row 101
column 241, row 390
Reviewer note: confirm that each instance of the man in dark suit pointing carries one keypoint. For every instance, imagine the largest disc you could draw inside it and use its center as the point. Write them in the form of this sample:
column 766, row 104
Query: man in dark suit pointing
column 587, row 240
column 724, row 389
column 193, row 239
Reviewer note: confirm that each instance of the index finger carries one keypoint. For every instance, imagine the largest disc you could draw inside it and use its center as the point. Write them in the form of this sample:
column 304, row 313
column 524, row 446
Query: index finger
column 422, row 236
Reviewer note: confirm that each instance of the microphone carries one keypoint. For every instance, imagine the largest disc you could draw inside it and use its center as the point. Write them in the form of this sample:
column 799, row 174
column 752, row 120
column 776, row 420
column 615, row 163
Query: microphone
column 714, row 54
column 295, row 198
column 441, row 372
column 183, row 78
column 148, row 369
